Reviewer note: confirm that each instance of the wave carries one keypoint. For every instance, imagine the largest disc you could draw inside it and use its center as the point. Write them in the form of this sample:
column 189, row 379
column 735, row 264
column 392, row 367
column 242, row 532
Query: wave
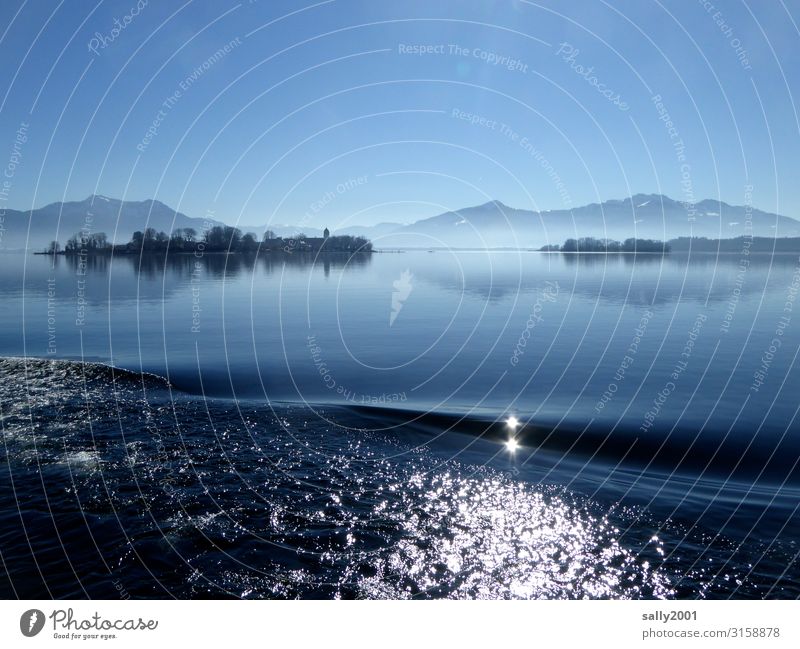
column 29, row 370
column 728, row 454
column 269, row 501
column 731, row 454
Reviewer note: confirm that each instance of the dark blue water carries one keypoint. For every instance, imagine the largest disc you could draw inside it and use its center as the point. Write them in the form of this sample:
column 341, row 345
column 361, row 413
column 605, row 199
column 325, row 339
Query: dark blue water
column 340, row 427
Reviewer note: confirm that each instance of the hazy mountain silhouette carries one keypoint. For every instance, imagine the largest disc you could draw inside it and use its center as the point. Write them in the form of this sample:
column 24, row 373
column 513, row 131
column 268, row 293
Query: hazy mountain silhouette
column 118, row 219
column 493, row 224
column 646, row 216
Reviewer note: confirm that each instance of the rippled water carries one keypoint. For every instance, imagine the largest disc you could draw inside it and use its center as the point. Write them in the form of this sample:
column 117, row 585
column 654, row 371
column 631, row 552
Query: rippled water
column 122, row 487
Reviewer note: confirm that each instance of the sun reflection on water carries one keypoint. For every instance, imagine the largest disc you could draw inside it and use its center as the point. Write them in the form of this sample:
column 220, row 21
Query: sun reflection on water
column 494, row 538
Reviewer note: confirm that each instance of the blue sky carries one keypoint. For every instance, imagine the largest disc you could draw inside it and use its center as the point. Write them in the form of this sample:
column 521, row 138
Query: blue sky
column 319, row 113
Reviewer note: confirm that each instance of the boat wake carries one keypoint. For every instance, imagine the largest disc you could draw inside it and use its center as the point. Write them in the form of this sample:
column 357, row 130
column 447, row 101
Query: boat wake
column 111, row 480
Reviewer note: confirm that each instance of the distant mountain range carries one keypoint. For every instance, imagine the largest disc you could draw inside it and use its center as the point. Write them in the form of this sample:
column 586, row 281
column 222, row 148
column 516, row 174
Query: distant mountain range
column 118, row 219
column 492, row 225
column 642, row 216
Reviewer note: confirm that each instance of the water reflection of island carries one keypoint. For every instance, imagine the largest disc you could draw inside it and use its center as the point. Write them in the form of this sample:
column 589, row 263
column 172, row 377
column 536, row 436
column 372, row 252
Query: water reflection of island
column 632, row 279
column 218, row 265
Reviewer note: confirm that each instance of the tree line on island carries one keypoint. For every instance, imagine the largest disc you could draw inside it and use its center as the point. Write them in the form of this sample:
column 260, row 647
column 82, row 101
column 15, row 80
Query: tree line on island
column 215, row 239
column 590, row 244
column 682, row 245
column 230, row 239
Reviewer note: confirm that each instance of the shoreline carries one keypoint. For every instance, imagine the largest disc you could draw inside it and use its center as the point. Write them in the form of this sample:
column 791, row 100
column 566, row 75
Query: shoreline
column 192, row 253
column 680, row 252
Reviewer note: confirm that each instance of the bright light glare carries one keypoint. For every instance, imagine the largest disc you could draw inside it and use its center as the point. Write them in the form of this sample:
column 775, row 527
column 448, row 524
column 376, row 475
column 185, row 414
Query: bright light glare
column 512, row 422
column 512, row 445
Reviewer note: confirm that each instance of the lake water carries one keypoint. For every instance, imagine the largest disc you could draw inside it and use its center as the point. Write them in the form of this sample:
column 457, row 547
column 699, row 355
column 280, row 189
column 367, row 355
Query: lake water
column 340, row 427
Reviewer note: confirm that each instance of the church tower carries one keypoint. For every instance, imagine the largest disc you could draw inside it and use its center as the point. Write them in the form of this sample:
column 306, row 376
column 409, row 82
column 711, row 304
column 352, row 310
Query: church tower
column 326, row 233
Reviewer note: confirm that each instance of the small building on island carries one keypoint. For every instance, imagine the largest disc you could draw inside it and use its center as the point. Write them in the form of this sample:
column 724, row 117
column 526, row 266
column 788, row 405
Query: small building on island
column 314, row 243
column 325, row 243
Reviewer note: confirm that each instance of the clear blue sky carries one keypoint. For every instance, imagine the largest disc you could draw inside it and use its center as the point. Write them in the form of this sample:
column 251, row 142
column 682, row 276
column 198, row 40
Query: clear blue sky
column 321, row 116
